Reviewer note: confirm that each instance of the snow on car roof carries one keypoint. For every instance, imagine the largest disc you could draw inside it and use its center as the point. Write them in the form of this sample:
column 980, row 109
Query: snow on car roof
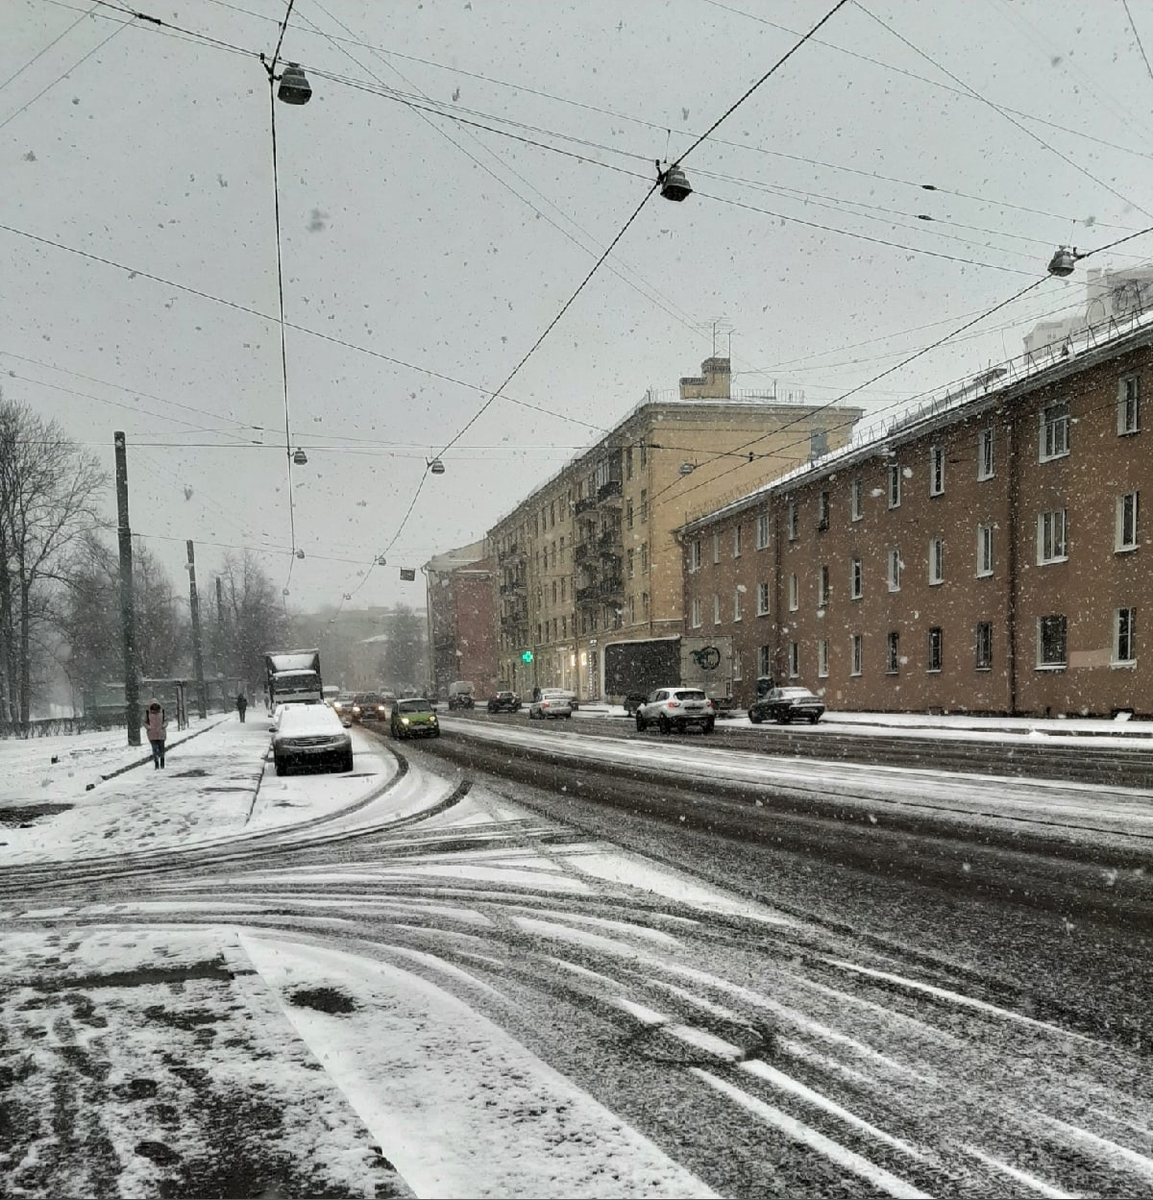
column 308, row 720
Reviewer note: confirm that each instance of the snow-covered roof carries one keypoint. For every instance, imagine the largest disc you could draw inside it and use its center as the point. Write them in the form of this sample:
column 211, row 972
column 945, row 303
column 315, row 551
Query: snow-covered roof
column 307, row 720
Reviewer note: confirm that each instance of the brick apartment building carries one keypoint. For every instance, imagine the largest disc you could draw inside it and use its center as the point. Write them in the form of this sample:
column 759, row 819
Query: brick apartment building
column 462, row 619
column 985, row 555
column 590, row 556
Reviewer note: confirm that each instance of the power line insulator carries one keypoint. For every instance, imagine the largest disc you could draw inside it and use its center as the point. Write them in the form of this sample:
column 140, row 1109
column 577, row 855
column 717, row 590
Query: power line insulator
column 294, row 86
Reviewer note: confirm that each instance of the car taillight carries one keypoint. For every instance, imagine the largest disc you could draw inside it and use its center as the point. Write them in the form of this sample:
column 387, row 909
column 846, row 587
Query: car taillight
column 544, row 704
column 672, row 704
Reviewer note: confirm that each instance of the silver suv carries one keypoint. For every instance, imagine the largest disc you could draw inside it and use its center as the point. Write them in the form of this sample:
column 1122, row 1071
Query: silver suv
column 676, row 708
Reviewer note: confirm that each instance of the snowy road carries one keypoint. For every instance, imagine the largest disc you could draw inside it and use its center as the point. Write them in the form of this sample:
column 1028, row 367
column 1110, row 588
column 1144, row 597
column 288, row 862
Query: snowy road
column 419, row 983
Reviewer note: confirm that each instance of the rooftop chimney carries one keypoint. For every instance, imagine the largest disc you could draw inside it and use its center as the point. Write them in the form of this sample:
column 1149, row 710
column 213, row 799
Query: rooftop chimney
column 711, row 384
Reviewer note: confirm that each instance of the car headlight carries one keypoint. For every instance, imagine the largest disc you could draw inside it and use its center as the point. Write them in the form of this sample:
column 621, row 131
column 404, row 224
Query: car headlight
column 404, row 720
column 432, row 719
column 380, row 708
column 356, row 708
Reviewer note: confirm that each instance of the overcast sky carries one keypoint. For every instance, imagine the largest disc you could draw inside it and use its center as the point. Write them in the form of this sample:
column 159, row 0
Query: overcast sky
column 410, row 236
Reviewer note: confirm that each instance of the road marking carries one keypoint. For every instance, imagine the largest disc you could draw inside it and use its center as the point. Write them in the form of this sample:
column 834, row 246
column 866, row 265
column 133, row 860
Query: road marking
column 1038, row 1185
column 886, row 1181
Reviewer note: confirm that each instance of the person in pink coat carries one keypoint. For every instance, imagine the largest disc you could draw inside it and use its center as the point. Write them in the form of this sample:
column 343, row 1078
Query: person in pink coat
column 156, row 727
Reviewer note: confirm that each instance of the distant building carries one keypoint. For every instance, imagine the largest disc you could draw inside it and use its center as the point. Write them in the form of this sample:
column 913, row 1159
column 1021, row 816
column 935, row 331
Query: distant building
column 1109, row 296
column 462, row 619
column 589, row 557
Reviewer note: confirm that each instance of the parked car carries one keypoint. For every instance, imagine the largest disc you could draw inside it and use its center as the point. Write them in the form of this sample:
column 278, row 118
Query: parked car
column 460, row 694
column 413, row 717
column 368, row 706
column 549, row 703
column 785, row 704
column 310, row 736
column 676, row 708
column 504, row 702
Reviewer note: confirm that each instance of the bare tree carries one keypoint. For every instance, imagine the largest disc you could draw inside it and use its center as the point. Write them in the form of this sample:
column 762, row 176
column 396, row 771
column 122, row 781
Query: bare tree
column 252, row 620
column 49, row 491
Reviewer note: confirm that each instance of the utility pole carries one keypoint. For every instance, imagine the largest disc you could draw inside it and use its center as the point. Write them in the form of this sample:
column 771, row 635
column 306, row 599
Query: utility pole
column 197, row 655
column 127, row 609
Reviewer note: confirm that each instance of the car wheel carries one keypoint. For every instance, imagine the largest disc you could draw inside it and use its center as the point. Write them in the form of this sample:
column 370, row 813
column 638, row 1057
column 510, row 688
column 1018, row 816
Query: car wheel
column 814, row 719
column 348, row 762
column 663, row 724
column 436, row 733
column 709, row 726
column 784, row 718
column 279, row 767
column 642, row 724
column 755, row 716
column 568, row 716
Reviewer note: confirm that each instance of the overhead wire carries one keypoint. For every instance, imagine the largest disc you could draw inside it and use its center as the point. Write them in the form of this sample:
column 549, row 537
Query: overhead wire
column 44, row 50
column 1004, row 113
column 1137, row 36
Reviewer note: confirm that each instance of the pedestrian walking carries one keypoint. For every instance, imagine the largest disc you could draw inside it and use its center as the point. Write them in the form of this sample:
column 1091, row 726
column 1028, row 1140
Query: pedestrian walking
column 156, row 726
column 241, row 705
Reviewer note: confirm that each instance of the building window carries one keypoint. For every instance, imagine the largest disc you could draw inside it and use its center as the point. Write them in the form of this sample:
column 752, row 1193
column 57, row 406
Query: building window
column 738, row 604
column 856, row 495
column 794, row 660
column 984, row 645
column 985, row 453
column 1127, row 521
column 554, row 591
column 564, row 626
column 552, row 514
column 644, row 504
column 563, row 587
column 823, row 510
column 644, row 557
column 936, row 642
column 695, row 554
column 632, row 610
column 794, row 593
column 716, row 547
column 628, row 462
column 1054, row 430
column 857, row 645
column 893, row 652
column 823, row 586
column 822, row 658
column 630, row 559
column 696, row 612
column 629, row 515
column 1125, row 636
column 937, row 560
column 895, row 569
column 716, row 609
column 855, row 579
column 738, row 669
column 1051, row 539
column 936, row 470
column 764, row 662
column 1129, row 405
column 762, row 599
column 763, row 531
column 644, row 455
column 894, row 486
column 644, row 606
column 1051, row 642
column 792, row 520
column 984, row 550
column 737, row 541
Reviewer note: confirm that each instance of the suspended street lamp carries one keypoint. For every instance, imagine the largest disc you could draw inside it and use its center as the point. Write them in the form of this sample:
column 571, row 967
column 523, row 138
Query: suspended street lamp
column 381, row 561
column 300, row 554
column 1063, row 261
column 687, row 468
column 674, row 183
column 294, row 86
column 300, row 458
column 436, row 466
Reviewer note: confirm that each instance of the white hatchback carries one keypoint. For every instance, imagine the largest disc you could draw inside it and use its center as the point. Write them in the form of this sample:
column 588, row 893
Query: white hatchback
column 552, row 702
column 676, row 708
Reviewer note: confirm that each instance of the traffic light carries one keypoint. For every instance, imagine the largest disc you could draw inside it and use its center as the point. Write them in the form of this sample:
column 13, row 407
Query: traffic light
column 526, row 657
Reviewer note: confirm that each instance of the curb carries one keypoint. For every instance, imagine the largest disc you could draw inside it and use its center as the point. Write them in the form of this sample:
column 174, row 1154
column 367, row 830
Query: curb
column 144, row 761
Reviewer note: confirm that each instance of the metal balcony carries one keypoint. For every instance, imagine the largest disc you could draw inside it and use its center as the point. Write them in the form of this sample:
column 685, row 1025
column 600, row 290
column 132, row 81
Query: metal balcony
column 614, row 585
column 610, row 539
column 610, row 490
column 582, row 552
column 513, row 553
column 585, row 504
column 588, row 595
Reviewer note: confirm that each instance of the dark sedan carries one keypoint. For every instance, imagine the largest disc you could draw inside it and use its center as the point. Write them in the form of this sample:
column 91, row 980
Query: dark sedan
column 504, row 702
column 785, row 704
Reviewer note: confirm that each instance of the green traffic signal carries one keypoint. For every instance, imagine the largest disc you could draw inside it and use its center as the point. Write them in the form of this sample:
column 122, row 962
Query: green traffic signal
column 526, row 657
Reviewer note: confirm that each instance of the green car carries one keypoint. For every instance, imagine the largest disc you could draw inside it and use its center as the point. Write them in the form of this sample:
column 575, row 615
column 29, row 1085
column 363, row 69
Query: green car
column 413, row 718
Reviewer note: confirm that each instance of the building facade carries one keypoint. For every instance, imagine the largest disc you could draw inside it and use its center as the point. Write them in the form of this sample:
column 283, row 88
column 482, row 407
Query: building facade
column 462, row 635
column 591, row 556
column 990, row 557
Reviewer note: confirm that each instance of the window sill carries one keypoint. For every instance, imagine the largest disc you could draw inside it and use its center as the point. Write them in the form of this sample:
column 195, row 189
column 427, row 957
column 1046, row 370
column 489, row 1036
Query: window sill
column 985, row 478
column 857, row 597
column 1044, row 458
column 1126, row 664
column 855, row 674
column 1125, row 549
column 934, row 495
column 1128, row 432
column 1052, row 666
column 932, row 670
column 763, row 614
column 1049, row 562
column 895, row 589
column 984, row 574
column 936, row 582
column 858, row 517
column 983, row 670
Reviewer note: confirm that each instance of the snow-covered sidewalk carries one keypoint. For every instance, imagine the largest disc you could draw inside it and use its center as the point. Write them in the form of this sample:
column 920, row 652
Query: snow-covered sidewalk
column 70, row 797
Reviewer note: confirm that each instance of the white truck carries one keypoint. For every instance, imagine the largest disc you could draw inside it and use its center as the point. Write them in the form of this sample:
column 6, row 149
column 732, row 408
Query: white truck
column 633, row 669
column 293, row 677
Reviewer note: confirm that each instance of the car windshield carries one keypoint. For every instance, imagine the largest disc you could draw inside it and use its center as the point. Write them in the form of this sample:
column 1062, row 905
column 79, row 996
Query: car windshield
column 413, row 706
